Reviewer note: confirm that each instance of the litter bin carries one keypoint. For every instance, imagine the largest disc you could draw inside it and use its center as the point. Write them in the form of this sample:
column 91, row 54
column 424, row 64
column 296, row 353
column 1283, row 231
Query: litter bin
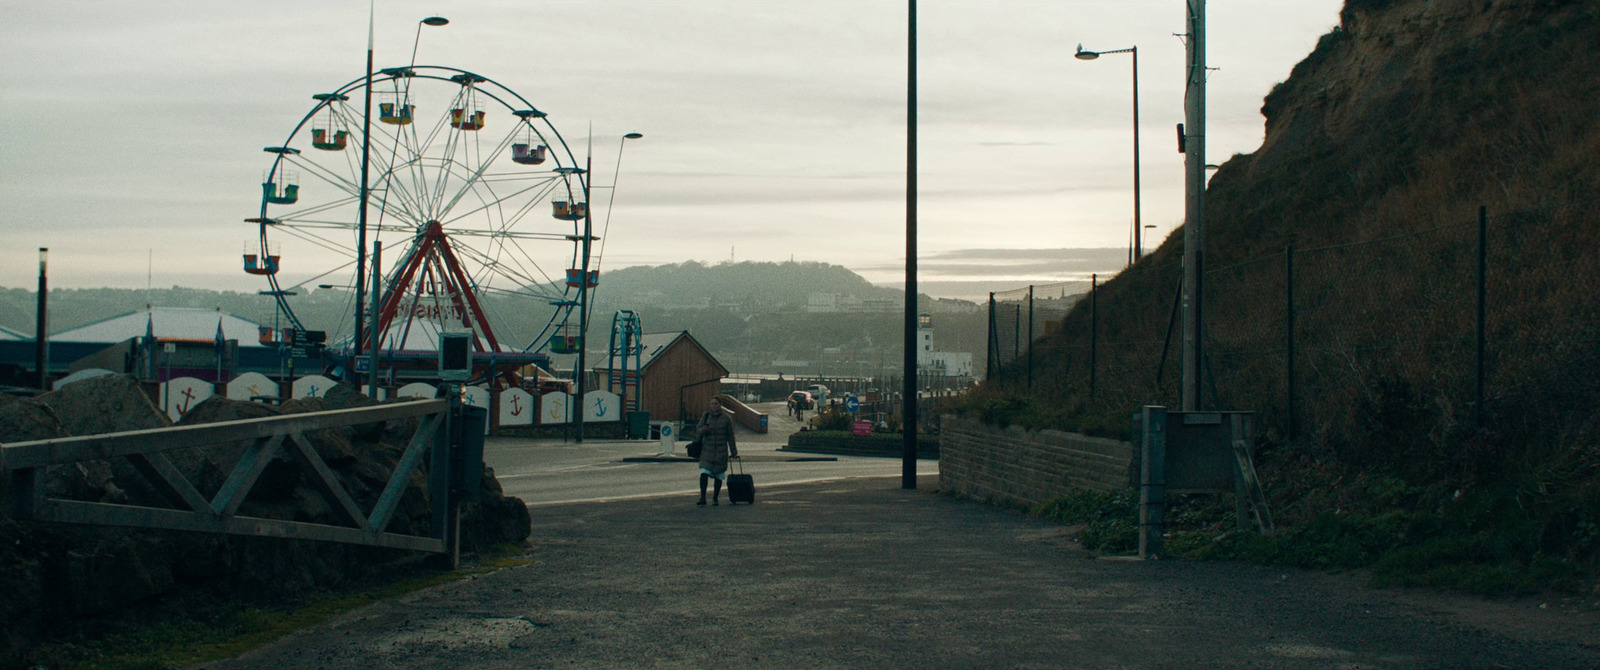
column 638, row 425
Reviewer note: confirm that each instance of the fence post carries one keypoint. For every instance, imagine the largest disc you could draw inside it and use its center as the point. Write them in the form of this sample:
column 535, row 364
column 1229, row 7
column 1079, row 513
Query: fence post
column 1030, row 336
column 1094, row 327
column 988, row 366
column 1152, row 480
column 1016, row 334
column 445, row 510
column 1483, row 299
column 1288, row 330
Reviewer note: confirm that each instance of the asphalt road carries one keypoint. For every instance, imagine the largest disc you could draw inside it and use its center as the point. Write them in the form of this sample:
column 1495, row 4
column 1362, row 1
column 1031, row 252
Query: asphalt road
column 856, row 572
column 859, row 573
column 543, row 472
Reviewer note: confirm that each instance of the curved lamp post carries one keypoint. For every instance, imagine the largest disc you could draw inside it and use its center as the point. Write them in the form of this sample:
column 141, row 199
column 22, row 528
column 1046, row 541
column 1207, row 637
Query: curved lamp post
column 1138, row 230
column 580, row 370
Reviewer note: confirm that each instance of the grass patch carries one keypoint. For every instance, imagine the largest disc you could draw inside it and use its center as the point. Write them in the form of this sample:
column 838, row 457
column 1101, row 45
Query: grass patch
column 1474, row 545
column 1110, row 518
column 201, row 630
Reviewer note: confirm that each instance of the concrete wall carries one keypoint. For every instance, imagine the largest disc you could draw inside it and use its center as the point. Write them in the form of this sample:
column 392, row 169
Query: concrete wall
column 1028, row 467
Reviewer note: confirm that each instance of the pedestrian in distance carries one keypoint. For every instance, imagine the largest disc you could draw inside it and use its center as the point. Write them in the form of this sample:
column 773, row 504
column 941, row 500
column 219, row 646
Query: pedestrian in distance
column 717, row 445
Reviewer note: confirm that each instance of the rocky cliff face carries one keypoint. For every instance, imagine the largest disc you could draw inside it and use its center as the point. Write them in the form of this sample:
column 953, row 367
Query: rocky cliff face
column 1414, row 112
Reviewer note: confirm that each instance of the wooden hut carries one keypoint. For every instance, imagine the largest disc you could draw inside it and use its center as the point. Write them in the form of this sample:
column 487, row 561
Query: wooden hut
column 676, row 376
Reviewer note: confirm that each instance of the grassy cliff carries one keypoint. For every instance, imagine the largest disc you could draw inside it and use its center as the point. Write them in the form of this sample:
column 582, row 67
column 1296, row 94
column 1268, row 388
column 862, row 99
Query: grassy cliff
column 1379, row 151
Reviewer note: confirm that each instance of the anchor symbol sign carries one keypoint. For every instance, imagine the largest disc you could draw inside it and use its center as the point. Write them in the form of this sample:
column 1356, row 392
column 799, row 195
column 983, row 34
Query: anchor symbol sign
column 516, row 406
column 188, row 397
column 599, row 407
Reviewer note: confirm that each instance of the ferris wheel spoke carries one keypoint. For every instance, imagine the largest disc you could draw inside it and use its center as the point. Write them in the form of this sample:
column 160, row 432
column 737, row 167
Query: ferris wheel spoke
column 318, row 240
column 316, row 210
column 476, row 176
column 532, row 202
column 490, row 267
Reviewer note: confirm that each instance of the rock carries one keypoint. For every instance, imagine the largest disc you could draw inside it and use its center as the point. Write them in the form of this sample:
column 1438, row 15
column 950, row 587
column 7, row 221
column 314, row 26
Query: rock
column 495, row 519
column 104, row 404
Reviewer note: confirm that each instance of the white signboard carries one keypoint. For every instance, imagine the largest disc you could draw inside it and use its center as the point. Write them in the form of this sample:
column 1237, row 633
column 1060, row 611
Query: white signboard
column 516, row 408
column 601, row 406
column 475, row 396
column 180, row 395
column 314, row 386
column 416, row 390
column 553, row 408
column 251, row 385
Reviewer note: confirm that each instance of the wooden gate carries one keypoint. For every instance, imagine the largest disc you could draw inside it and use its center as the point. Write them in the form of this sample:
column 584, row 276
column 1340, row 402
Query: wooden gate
column 438, row 420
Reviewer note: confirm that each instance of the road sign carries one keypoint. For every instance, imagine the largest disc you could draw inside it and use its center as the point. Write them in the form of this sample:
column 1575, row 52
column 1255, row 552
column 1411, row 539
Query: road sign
column 861, row 427
column 852, row 404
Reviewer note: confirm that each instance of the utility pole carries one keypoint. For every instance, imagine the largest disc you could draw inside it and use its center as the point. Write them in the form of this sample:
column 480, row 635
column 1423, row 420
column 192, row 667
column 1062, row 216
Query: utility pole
column 41, row 337
column 1194, row 147
column 583, row 298
column 908, row 452
column 358, row 338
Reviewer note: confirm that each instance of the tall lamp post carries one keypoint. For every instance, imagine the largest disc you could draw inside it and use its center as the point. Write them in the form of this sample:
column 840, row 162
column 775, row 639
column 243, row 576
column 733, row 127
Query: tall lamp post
column 584, row 298
column 908, row 385
column 1138, row 230
column 359, row 338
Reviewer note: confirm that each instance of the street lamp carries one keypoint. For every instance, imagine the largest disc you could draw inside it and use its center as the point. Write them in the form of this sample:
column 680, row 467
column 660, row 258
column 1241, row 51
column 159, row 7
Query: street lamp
column 612, row 199
column 585, row 290
column 1082, row 54
column 359, row 337
column 430, row 21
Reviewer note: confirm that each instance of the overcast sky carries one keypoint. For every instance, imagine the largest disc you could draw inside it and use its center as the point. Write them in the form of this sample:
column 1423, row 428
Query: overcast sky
column 132, row 131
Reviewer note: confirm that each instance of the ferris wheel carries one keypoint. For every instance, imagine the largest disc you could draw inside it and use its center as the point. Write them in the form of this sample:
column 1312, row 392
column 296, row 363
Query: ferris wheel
column 473, row 194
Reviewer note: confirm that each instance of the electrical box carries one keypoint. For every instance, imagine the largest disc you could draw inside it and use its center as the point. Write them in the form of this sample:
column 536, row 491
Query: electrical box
column 455, row 356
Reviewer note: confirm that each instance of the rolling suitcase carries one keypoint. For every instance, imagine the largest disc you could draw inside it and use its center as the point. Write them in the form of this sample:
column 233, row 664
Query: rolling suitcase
column 741, row 487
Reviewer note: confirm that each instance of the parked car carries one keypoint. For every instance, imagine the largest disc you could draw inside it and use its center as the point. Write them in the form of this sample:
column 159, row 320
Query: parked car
column 818, row 392
column 802, row 400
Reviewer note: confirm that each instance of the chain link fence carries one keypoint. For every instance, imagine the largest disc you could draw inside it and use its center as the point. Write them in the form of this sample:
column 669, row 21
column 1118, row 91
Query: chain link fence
column 1486, row 320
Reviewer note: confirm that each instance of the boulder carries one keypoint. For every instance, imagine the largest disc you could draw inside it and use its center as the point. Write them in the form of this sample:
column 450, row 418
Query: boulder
column 104, row 404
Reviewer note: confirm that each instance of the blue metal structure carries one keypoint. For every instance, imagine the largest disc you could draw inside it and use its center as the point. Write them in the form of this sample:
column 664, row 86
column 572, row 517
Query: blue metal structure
column 627, row 350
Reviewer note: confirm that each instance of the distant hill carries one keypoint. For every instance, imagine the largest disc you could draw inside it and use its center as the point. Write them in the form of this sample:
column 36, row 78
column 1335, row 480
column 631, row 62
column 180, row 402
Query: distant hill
column 749, row 314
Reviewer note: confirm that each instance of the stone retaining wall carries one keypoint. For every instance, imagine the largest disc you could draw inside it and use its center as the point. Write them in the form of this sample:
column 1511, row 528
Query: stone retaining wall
column 1027, row 467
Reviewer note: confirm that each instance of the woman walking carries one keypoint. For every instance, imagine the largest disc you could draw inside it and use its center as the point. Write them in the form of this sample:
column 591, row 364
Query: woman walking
column 716, row 447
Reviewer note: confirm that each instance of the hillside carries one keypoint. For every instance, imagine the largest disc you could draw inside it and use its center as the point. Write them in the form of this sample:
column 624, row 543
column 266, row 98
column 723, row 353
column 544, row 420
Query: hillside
column 1379, row 150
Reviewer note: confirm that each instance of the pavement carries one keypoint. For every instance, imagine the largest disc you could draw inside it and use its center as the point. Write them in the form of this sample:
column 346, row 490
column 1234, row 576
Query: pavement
column 862, row 573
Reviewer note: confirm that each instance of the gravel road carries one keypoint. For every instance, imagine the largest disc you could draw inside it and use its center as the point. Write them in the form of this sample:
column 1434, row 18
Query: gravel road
column 861, row 574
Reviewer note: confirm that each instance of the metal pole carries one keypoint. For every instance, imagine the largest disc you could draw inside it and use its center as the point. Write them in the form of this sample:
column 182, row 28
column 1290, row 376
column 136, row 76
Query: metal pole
column 41, row 337
column 1483, row 300
column 1030, row 336
column 1194, row 206
column 908, row 451
column 583, row 298
column 377, row 336
column 1288, row 330
column 1138, row 229
column 366, row 192
column 989, row 358
column 1094, row 328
